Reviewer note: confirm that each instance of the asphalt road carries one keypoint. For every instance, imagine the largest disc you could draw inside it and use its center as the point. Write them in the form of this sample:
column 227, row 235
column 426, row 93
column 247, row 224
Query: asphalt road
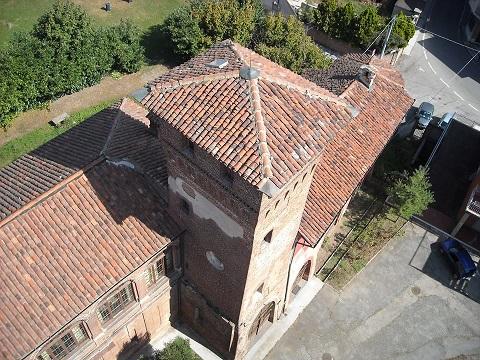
column 430, row 70
column 400, row 307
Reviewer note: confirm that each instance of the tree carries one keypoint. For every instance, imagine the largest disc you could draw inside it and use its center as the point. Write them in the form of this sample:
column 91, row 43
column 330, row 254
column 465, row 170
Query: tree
column 325, row 16
column 81, row 56
column 411, row 195
column 402, row 32
column 283, row 40
column 183, row 33
column 62, row 54
column 24, row 80
column 196, row 26
column 369, row 24
column 343, row 22
column 126, row 51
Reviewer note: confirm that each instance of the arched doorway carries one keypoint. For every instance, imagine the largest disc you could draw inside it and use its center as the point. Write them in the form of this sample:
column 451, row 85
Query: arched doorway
column 265, row 316
column 302, row 277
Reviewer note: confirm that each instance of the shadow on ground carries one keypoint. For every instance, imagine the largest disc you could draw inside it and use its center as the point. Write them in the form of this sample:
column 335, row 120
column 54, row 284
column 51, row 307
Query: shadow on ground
column 429, row 260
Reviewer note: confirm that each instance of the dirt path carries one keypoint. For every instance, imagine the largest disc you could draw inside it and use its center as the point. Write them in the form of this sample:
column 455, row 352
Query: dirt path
column 107, row 89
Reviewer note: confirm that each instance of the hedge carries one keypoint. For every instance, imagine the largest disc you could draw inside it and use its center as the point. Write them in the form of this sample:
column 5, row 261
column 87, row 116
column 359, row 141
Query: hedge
column 62, row 54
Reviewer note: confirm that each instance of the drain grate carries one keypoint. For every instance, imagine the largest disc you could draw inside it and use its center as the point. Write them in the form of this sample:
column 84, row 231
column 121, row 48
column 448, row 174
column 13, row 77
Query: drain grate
column 415, row 290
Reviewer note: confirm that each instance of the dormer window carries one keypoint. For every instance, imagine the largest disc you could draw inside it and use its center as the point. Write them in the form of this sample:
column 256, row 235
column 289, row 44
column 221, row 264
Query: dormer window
column 65, row 343
column 116, row 303
column 158, row 269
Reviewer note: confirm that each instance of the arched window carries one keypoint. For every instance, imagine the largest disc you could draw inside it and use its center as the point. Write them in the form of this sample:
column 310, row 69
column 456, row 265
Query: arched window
column 65, row 343
column 264, row 316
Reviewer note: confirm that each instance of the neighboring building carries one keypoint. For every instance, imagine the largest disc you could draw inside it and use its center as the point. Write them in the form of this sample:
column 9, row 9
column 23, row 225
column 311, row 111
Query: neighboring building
column 253, row 162
column 472, row 28
column 454, row 169
column 409, row 7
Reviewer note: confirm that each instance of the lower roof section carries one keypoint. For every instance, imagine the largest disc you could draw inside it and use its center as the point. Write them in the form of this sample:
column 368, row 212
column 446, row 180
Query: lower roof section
column 354, row 150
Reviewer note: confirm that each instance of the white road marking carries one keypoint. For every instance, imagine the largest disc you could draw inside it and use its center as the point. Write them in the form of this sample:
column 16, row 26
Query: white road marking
column 423, row 36
column 421, row 69
column 431, row 68
column 424, row 53
column 473, row 107
column 461, row 98
column 443, row 81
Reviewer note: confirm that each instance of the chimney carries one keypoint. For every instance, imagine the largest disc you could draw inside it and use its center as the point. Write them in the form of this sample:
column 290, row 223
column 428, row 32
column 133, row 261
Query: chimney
column 366, row 75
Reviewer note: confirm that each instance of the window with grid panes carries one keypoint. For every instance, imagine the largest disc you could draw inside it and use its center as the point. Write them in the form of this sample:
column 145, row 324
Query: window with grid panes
column 158, row 269
column 65, row 343
column 115, row 303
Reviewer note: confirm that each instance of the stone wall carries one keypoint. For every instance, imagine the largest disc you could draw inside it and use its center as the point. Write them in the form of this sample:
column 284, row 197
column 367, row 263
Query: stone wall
column 200, row 315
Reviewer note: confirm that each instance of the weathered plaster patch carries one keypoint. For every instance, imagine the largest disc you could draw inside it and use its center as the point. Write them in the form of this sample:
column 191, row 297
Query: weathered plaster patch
column 214, row 261
column 205, row 209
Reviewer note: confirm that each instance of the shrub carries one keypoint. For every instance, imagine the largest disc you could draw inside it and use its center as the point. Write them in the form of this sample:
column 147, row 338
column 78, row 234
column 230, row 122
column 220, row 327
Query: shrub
column 194, row 27
column 411, row 195
column 177, row 349
column 62, row 54
column 368, row 25
column 325, row 16
column 283, row 40
column 126, row 51
column 343, row 27
column 402, row 32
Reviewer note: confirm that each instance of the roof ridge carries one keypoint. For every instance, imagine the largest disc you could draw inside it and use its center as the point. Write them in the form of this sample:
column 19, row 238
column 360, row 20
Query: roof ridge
column 174, row 84
column 59, row 186
column 112, row 130
column 232, row 47
column 261, row 130
column 306, row 91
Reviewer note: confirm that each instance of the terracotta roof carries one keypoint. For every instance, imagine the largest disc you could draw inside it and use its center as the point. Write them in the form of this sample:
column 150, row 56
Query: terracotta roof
column 97, row 223
column 265, row 129
column 33, row 174
column 354, row 150
column 340, row 74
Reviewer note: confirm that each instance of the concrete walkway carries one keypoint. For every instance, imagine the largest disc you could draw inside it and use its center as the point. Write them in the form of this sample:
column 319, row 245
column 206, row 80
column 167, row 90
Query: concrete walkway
column 399, row 307
column 275, row 332
column 107, row 89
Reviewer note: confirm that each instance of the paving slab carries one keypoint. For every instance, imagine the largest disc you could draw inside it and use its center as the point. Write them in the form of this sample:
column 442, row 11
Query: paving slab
column 398, row 307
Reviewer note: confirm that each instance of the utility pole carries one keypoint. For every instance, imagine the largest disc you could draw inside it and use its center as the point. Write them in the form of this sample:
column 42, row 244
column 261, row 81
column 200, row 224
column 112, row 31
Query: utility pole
column 388, row 36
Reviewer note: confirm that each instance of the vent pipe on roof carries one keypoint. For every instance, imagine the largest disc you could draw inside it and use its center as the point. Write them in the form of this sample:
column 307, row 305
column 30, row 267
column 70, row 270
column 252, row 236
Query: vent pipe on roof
column 218, row 63
column 249, row 73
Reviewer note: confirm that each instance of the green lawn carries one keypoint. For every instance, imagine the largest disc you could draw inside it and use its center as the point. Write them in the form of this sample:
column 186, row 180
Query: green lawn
column 20, row 15
column 30, row 141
